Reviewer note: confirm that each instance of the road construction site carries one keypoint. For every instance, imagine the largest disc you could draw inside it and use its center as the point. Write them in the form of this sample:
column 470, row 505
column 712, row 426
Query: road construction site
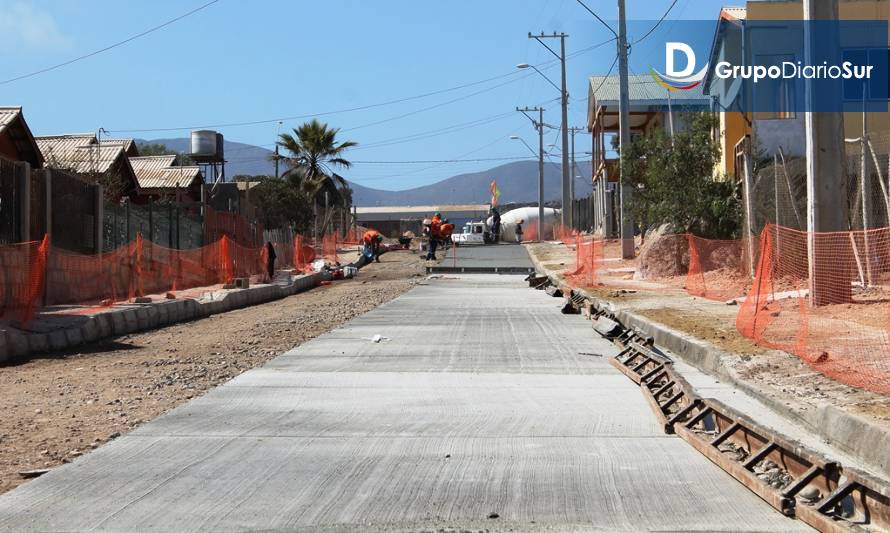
column 469, row 402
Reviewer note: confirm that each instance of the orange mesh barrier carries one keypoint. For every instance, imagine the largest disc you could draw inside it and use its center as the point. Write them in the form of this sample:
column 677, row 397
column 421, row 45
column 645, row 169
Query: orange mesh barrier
column 353, row 236
column 304, row 254
column 588, row 258
column 21, row 286
column 839, row 324
column 329, row 248
column 716, row 268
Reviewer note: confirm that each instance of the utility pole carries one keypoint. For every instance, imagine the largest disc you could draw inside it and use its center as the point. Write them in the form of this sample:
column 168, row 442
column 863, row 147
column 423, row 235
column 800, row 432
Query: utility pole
column 539, row 125
column 624, row 191
column 277, row 156
column 826, row 179
column 566, row 180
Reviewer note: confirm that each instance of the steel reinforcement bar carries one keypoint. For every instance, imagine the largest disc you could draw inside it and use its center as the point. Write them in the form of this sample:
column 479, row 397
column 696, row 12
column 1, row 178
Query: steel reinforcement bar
column 795, row 480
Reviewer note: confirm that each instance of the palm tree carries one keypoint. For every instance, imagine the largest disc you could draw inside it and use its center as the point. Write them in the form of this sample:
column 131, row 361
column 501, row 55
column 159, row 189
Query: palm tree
column 312, row 153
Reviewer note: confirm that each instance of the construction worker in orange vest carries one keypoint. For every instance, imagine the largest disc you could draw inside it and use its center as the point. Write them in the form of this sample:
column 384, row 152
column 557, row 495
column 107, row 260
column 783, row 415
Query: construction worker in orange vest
column 372, row 240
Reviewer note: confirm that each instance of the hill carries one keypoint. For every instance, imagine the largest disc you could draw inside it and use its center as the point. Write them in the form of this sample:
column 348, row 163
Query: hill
column 518, row 180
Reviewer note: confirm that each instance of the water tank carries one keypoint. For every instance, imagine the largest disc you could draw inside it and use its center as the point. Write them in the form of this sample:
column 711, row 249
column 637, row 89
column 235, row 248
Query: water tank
column 204, row 143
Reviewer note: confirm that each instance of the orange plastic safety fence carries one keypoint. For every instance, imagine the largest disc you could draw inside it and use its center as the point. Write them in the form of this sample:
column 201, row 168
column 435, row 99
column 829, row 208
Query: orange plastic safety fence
column 717, row 268
column 21, row 285
column 304, row 254
column 564, row 234
column 834, row 313
column 588, row 259
column 353, row 236
column 329, row 248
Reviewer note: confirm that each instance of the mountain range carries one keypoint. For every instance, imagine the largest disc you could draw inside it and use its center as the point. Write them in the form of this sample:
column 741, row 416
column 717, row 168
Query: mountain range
column 517, row 180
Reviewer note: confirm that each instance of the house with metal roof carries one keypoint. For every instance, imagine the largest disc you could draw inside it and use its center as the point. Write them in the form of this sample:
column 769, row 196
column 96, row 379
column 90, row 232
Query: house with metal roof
column 159, row 177
column 16, row 141
column 82, row 154
column 651, row 106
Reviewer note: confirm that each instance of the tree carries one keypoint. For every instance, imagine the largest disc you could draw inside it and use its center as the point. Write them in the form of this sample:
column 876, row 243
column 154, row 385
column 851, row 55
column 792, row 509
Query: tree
column 280, row 204
column 148, row 149
column 675, row 184
column 312, row 152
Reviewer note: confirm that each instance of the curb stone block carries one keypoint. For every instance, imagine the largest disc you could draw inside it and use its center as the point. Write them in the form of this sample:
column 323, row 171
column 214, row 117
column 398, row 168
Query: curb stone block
column 38, row 343
column 58, row 340
column 118, row 324
column 17, row 344
column 131, row 321
column 103, row 324
column 73, row 336
column 163, row 313
column 153, row 316
column 4, row 347
column 142, row 322
column 90, row 330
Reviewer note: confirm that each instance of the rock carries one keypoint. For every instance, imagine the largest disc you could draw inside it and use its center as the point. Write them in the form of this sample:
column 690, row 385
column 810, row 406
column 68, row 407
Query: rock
column 29, row 474
column 810, row 493
column 731, row 302
column 493, row 515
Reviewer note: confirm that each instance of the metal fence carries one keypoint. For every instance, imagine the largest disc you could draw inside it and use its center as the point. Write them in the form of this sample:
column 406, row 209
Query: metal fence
column 73, row 202
column 12, row 197
column 168, row 224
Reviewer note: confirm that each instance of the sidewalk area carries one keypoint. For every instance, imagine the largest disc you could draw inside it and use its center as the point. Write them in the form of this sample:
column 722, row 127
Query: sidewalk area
column 703, row 333
column 62, row 327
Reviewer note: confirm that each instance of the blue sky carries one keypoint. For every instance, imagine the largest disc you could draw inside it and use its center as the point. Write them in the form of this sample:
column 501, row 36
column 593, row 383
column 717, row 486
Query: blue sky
column 244, row 61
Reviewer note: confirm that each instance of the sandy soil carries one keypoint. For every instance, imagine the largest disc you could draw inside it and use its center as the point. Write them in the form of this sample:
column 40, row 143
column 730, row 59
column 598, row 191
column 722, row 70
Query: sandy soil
column 781, row 375
column 63, row 405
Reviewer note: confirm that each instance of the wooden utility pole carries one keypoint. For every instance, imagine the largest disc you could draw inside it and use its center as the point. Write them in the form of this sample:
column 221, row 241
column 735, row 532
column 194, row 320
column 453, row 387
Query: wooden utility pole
column 627, row 227
column 826, row 179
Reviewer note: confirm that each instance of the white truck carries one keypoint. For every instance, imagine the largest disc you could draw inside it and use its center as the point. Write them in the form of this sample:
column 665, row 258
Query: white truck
column 473, row 233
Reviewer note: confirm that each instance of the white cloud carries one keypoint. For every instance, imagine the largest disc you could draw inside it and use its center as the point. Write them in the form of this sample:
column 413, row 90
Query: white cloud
column 27, row 27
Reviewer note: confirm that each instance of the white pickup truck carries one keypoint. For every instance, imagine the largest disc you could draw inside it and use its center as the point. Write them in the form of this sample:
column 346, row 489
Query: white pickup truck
column 473, row 233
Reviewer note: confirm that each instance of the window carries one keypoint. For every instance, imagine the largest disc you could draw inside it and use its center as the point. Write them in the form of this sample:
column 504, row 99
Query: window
column 774, row 96
column 875, row 87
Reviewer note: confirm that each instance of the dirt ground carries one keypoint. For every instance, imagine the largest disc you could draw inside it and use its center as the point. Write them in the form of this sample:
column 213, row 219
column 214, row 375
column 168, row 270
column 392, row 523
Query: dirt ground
column 60, row 406
column 783, row 376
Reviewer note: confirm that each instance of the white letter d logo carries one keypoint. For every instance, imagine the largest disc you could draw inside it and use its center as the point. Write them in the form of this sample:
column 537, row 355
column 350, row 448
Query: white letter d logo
column 670, row 50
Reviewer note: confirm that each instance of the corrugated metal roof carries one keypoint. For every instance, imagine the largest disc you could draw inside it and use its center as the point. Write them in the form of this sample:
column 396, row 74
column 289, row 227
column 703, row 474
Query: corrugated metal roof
column 129, row 145
column 78, row 152
column 158, row 172
column 643, row 90
column 739, row 13
column 13, row 124
column 7, row 115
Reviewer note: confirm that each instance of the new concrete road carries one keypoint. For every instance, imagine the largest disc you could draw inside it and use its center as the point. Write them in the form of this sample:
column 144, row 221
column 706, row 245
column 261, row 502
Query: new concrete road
column 481, row 407
column 501, row 258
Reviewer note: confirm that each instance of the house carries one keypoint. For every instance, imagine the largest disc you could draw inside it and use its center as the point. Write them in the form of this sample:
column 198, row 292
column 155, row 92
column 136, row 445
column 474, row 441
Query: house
column 84, row 155
column 782, row 129
column 16, row 141
column 651, row 106
column 159, row 178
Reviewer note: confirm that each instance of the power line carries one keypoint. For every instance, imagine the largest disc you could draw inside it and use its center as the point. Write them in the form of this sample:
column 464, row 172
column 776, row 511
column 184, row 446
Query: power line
column 422, row 161
column 607, row 74
column 521, row 76
column 598, row 18
column 648, row 33
column 109, row 47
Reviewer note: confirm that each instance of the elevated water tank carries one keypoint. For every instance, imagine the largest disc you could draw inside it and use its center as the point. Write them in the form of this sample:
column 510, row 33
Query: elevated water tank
column 204, row 143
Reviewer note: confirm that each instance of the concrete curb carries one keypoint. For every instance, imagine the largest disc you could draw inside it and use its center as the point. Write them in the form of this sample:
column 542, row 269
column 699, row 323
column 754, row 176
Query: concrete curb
column 848, row 432
column 16, row 345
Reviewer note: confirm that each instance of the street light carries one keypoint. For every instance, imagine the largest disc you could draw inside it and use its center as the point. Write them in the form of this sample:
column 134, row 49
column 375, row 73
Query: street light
column 526, row 65
column 530, row 149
